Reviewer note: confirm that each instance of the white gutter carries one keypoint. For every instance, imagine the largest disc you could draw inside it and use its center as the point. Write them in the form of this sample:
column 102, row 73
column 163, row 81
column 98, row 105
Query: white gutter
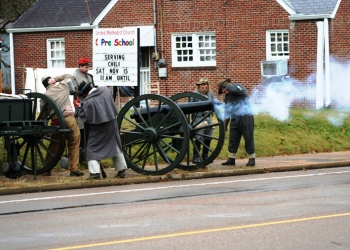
column 104, row 12
column 295, row 17
column 319, row 71
column 47, row 29
column 327, row 64
column 12, row 60
column 336, row 9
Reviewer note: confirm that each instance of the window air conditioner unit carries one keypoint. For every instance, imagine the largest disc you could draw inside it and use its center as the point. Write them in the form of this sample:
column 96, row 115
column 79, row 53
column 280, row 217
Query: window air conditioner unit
column 274, row 68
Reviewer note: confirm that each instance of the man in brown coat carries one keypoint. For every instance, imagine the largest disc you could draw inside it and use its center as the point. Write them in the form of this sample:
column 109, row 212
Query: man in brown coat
column 58, row 90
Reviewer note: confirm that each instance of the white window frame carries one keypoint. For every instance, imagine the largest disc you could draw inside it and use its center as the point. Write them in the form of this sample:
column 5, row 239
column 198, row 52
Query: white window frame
column 197, row 50
column 56, row 57
column 281, row 46
column 145, row 73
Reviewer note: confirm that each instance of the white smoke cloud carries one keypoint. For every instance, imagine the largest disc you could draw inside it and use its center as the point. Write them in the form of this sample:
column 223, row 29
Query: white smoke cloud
column 219, row 109
column 276, row 97
column 340, row 83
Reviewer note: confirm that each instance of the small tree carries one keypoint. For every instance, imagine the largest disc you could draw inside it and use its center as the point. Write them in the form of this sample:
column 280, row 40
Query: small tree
column 10, row 10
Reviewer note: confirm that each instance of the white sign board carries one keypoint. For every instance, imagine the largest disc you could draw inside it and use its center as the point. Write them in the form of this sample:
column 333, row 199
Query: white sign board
column 115, row 57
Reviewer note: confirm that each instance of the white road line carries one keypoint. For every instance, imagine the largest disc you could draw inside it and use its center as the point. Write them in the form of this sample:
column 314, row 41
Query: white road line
column 171, row 187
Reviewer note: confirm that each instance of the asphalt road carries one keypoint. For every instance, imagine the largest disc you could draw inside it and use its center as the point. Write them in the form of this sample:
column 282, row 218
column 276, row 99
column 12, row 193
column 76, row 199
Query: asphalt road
column 286, row 210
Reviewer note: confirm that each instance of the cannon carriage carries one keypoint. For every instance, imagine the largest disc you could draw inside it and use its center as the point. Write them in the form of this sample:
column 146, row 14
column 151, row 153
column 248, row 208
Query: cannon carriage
column 156, row 138
column 33, row 143
column 164, row 133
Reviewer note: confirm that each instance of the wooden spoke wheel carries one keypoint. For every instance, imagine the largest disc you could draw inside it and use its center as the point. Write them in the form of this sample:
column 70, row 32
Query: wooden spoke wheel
column 203, row 147
column 154, row 134
column 38, row 142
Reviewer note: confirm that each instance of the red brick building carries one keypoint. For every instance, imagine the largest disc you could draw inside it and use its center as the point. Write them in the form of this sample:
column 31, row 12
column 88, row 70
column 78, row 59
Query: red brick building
column 194, row 39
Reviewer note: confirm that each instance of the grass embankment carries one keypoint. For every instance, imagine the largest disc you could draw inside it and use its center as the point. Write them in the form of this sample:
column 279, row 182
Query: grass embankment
column 306, row 131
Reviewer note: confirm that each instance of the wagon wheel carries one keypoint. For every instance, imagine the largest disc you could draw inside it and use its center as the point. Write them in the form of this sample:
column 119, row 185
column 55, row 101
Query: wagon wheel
column 198, row 139
column 148, row 134
column 40, row 146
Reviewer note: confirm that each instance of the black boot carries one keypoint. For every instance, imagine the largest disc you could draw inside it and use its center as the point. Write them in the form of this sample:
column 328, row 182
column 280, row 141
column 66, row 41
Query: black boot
column 121, row 174
column 251, row 162
column 196, row 159
column 95, row 176
column 81, row 155
column 205, row 149
column 204, row 157
column 230, row 161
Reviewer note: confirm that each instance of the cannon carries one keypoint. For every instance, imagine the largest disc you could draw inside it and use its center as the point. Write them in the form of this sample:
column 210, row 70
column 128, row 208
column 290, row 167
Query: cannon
column 32, row 143
column 159, row 134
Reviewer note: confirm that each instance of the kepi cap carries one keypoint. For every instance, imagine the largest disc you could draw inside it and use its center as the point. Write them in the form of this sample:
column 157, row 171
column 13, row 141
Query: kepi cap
column 83, row 61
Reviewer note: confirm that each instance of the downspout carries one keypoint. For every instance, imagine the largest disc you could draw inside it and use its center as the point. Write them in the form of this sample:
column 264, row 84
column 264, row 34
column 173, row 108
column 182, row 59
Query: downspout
column 155, row 24
column 161, row 30
column 12, row 60
column 327, row 64
column 319, row 71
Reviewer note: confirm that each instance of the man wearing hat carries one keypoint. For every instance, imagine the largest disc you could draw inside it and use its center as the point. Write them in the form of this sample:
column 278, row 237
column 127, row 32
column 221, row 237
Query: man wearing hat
column 98, row 111
column 58, row 90
column 81, row 75
column 202, row 118
column 239, row 110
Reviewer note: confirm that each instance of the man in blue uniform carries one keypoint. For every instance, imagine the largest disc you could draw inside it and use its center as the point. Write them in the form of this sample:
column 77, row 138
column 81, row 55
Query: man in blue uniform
column 239, row 110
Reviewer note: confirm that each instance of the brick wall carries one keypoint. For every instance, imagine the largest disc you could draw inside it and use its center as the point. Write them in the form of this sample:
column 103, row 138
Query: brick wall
column 30, row 50
column 240, row 32
column 240, row 28
column 339, row 33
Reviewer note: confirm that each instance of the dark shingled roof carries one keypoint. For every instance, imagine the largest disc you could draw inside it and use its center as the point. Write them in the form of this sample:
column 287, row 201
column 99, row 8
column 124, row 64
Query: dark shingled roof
column 57, row 13
column 312, row 7
column 60, row 13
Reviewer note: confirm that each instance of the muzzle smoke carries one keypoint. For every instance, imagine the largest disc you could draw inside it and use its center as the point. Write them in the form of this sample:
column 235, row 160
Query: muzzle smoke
column 276, row 97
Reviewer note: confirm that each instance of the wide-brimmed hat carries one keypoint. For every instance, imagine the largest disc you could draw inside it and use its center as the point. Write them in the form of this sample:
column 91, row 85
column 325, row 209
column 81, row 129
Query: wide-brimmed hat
column 84, row 88
column 45, row 80
column 222, row 84
column 203, row 80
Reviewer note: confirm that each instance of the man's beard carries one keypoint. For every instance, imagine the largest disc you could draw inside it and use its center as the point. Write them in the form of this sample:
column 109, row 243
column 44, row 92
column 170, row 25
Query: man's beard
column 203, row 91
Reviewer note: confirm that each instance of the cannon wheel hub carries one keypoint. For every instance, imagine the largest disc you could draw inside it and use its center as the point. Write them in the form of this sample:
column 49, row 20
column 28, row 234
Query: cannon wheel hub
column 150, row 135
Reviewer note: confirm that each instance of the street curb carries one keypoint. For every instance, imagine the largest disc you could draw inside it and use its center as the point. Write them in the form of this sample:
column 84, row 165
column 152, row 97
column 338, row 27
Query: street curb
column 167, row 177
column 248, row 171
column 80, row 185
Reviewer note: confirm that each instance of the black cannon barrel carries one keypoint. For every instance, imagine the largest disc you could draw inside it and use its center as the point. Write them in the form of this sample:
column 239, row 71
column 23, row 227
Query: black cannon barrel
column 186, row 107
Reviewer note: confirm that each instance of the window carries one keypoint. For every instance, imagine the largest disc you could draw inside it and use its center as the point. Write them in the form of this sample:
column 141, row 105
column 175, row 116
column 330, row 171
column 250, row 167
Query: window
column 145, row 76
column 145, row 57
column 193, row 50
column 277, row 44
column 56, row 53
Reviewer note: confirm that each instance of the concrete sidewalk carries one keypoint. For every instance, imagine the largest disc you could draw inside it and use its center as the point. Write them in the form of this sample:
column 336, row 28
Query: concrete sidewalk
column 61, row 181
